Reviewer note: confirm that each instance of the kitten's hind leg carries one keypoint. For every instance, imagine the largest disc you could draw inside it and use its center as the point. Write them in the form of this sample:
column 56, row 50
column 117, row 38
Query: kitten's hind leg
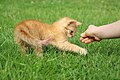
column 23, row 46
column 23, row 49
column 38, row 51
column 26, row 47
column 38, row 48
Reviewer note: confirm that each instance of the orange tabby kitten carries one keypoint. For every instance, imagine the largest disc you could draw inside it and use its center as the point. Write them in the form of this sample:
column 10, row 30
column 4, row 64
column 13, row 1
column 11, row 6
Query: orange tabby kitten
column 34, row 34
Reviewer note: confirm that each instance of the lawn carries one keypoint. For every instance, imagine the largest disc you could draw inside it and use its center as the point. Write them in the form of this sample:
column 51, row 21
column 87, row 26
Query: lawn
column 101, row 63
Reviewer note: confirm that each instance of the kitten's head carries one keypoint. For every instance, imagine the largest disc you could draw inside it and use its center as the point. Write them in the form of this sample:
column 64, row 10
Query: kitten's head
column 71, row 26
column 67, row 25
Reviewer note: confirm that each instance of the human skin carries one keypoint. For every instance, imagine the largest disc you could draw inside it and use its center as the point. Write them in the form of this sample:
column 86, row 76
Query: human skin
column 94, row 33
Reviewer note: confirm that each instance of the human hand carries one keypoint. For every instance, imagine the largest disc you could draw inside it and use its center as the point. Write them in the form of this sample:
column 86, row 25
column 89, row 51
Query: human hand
column 90, row 35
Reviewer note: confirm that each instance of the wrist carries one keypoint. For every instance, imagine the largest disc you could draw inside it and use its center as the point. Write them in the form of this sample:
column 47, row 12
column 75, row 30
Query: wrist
column 97, row 33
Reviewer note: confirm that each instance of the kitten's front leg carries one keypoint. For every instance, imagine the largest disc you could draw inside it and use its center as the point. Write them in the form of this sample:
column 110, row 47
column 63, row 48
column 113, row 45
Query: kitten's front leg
column 67, row 46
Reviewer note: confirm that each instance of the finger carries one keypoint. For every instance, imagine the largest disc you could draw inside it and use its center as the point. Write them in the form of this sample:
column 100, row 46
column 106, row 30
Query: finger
column 85, row 39
column 89, row 41
column 81, row 39
column 96, row 38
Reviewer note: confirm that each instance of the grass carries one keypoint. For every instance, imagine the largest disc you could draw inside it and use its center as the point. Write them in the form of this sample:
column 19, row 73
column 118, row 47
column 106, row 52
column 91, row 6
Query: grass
column 101, row 63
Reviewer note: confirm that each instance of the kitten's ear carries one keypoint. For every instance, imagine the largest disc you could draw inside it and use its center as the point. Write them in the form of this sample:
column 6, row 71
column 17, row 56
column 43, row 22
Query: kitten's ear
column 74, row 22
column 78, row 23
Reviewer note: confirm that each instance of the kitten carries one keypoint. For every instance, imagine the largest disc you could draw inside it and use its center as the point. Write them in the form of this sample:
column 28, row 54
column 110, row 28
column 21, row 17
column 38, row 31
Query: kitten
column 35, row 34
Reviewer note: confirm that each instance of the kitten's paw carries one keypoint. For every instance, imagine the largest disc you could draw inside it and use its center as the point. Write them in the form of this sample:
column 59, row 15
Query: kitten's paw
column 83, row 51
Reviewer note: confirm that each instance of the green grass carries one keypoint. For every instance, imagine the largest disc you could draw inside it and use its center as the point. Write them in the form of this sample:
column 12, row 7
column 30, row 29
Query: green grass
column 101, row 63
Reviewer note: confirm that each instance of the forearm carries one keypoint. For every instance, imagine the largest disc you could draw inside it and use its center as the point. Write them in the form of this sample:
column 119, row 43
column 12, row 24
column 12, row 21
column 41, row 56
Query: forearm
column 109, row 31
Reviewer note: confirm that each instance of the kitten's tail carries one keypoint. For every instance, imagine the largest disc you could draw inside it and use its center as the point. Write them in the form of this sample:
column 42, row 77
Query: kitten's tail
column 28, row 38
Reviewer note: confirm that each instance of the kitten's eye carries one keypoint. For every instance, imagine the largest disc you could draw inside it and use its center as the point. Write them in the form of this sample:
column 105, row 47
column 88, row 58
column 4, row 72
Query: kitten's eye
column 71, row 32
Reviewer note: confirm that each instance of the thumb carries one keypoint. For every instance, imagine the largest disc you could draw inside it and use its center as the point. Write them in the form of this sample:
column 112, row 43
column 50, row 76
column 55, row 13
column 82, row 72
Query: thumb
column 96, row 38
